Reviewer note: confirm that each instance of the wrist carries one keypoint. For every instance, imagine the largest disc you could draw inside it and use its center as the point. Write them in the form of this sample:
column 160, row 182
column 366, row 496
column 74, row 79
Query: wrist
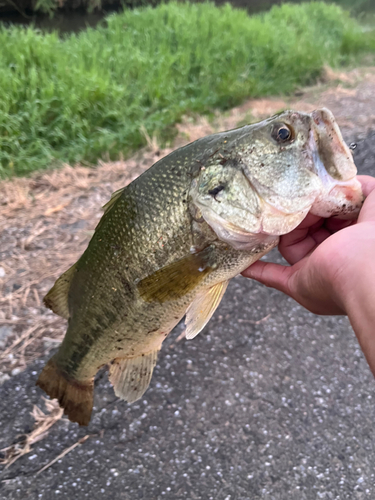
column 359, row 304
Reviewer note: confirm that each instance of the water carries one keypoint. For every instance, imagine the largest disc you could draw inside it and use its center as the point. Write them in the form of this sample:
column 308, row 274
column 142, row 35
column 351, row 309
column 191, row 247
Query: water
column 63, row 22
column 73, row 21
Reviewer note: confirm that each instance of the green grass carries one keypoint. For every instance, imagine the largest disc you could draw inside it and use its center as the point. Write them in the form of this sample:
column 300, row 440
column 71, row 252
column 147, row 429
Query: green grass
column 78, row 98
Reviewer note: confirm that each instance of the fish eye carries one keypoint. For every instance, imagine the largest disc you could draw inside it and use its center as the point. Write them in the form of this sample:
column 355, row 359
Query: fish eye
column 282, row 133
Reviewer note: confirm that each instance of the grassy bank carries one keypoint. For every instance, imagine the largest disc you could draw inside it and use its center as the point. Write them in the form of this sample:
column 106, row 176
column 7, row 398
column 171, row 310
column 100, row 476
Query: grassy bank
column 87, row 95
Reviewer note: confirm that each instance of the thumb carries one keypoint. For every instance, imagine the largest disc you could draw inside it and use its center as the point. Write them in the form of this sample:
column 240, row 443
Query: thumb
column 272, row 275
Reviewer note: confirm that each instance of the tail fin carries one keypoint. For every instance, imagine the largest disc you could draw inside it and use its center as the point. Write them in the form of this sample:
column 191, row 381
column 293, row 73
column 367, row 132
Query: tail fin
column 74, row 396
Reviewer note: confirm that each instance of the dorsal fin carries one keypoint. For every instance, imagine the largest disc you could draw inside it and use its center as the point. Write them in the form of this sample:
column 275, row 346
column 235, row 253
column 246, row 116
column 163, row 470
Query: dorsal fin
column 114, row 197
column 108, row 206
column 130, row 377
column 200, row 311
column 57, row 298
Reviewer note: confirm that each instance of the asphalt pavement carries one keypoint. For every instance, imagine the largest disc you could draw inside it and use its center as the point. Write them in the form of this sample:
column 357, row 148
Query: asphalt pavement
column 269, row 402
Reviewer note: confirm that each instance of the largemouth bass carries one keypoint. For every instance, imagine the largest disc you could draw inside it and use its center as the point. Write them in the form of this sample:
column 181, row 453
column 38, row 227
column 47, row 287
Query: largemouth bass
column 168, row 244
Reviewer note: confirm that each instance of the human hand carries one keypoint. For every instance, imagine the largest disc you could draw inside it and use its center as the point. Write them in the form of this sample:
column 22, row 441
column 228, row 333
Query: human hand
column 332, row 268
column 328, row 258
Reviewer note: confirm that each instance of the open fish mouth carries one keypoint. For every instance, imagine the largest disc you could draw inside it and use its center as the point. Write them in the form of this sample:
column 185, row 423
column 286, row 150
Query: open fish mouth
column 341, row 194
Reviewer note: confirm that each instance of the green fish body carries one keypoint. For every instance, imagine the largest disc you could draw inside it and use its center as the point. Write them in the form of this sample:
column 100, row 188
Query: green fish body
column 168, row 244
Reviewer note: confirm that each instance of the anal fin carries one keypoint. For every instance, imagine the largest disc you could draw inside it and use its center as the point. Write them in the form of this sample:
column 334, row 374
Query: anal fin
column 200, row 311
column 130, row 377
column 57, row 298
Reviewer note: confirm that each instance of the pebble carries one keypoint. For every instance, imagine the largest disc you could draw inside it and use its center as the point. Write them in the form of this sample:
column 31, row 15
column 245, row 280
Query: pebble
column 3, row 377
column 5, row 331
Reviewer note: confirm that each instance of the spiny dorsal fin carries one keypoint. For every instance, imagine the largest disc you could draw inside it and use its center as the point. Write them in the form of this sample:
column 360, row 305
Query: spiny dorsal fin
column 130, row 377
column 114, row 197
column 108, row 206
column 177, row 279
column 200, row 311
column 57, row 298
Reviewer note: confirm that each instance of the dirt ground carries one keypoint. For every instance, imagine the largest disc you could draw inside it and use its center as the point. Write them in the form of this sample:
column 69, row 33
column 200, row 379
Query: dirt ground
column 47, row 220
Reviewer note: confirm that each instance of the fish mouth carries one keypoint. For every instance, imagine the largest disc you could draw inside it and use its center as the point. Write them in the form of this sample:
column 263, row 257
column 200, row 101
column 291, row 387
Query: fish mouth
column 341, row 195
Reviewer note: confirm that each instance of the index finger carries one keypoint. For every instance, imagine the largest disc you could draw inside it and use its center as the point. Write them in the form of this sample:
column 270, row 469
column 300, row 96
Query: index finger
column 368, row 184
column 368, row 187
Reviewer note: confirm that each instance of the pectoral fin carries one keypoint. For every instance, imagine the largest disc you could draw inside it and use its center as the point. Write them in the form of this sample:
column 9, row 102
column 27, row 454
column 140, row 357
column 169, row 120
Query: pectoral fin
column 177, row 279
column 131, row 377
column 57, row 298
column 201, row 310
